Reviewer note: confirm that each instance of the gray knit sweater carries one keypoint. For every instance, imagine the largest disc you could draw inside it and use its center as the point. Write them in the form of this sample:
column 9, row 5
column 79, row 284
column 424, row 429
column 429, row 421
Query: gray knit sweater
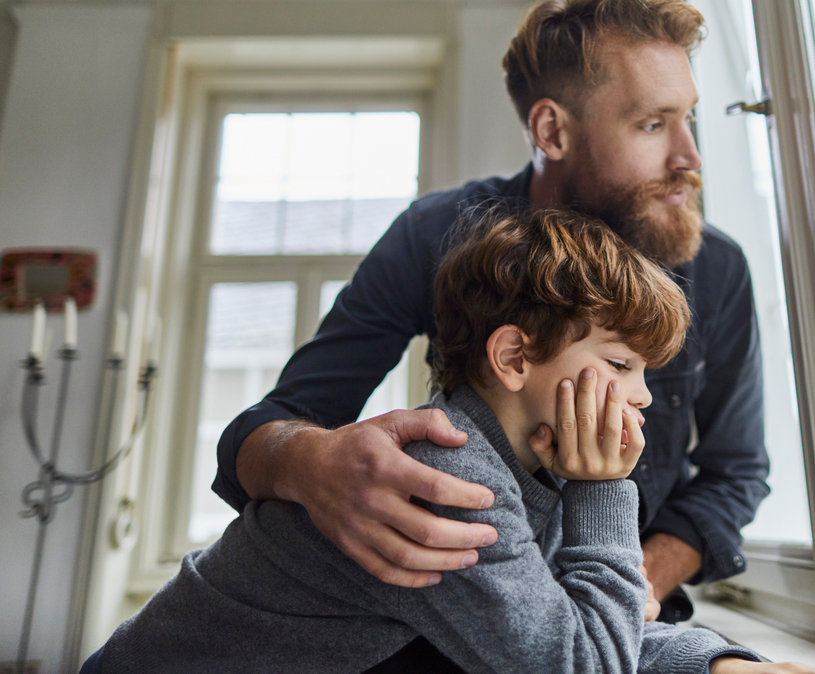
column 560, row 591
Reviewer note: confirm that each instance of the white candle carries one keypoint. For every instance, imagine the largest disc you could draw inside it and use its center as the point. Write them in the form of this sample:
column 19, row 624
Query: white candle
column 38, row 333
column 155, row 344
column 120, row 335
column 70, row 323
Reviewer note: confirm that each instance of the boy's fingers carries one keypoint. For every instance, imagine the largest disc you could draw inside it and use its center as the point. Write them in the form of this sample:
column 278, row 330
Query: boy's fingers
column 636, row 440
column 613, row 427
column 541, row 444
column 566, row 422
column 587, row 410
column 414, row 478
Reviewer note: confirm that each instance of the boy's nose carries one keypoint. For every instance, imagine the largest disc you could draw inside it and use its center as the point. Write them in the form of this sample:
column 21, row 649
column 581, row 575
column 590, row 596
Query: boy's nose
column 640, row 396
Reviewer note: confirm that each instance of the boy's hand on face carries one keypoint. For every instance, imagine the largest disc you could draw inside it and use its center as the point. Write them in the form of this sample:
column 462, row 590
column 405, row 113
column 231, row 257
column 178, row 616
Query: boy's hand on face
column 582, row 454
column 730, row 665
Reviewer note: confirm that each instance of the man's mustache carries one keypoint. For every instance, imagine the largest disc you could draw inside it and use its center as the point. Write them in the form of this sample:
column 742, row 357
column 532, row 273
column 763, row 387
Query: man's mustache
column 689, row 181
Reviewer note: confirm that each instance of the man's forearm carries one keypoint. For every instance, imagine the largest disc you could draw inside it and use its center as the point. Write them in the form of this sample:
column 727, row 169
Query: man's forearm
column 669, row 562
column 264, row 457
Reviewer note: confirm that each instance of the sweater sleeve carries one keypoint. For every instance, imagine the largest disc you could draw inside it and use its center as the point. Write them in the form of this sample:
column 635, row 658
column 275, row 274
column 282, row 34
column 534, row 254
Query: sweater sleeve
column 668, row 648
column 508, row 613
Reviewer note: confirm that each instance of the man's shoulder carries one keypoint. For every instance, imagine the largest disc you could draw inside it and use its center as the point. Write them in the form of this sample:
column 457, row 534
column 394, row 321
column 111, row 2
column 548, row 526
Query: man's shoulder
column 449, row 204
column 719, row 249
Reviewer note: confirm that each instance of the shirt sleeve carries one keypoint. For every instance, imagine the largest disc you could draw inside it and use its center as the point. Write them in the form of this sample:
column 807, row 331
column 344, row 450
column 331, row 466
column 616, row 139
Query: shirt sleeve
column 508, row 613
column 362, row 338
column 710, row 511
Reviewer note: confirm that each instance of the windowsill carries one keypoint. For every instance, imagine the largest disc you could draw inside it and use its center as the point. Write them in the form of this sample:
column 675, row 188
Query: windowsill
column 769, row 642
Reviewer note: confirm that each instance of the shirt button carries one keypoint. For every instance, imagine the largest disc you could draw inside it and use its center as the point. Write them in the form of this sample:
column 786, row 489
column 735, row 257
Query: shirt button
column 644, row 470
column 738, row 560
column 676, row 401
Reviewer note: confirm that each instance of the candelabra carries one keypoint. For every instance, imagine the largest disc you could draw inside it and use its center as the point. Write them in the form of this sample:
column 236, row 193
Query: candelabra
column 53, row 485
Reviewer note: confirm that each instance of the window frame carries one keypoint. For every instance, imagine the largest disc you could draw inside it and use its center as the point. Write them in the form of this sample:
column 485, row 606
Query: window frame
column 165, row 487
column 782, row 574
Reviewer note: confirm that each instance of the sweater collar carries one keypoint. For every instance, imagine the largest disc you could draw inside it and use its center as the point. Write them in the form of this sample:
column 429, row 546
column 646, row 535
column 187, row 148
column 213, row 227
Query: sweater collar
column 541, row 491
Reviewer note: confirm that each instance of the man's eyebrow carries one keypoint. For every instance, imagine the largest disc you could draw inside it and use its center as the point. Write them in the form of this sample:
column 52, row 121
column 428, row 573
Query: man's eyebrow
column 637, row 110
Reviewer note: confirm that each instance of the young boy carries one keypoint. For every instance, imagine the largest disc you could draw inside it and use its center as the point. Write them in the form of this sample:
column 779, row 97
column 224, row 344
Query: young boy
column 523, row 303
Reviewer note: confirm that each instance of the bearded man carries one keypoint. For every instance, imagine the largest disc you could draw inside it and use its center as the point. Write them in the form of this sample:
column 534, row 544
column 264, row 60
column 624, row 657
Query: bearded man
column 605, row 92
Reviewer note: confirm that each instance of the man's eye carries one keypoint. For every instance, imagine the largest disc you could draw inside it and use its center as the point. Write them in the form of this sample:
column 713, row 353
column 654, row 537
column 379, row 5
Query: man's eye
column 651, row 128
column 618, row 366
column 690, row 119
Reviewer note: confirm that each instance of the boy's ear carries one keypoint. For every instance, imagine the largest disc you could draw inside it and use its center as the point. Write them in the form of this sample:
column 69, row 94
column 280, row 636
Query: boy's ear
column 549, row 127
column 505, row 354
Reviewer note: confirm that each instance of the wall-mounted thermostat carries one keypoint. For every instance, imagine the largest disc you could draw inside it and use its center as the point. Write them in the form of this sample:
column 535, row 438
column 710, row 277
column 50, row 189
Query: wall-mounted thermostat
column 47, row 275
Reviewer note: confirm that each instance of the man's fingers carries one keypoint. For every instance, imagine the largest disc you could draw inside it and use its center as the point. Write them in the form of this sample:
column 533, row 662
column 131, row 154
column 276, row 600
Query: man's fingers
column 613, row 427
column 406, row 426
column 427, row 529
column 414, row 478
column 388, row 572
column 586, row 412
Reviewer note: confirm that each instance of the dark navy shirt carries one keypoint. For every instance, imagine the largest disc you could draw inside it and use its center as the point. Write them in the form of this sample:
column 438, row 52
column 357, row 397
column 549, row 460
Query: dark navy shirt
column 702, row 493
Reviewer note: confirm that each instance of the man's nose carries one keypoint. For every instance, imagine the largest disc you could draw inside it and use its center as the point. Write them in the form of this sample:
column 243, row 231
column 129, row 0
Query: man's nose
column 684, row 154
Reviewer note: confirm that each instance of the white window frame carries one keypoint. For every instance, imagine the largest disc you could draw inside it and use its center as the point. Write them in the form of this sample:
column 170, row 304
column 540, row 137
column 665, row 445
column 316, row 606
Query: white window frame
column 164, row 488
column 778, row 586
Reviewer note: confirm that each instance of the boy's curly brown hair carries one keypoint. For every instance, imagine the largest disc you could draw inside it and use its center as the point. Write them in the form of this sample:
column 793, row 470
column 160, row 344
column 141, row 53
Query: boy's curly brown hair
column 553, row 274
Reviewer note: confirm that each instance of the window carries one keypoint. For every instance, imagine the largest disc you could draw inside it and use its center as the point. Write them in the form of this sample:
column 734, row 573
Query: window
column 740, row 200
column 296, row 192
column 759, row 190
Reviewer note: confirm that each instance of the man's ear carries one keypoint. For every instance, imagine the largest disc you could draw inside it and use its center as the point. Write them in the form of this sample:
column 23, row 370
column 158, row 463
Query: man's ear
column 549, row 127
column 505, row 354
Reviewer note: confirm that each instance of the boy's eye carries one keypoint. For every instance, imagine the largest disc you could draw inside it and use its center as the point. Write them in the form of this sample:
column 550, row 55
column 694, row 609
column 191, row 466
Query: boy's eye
column 617, row 365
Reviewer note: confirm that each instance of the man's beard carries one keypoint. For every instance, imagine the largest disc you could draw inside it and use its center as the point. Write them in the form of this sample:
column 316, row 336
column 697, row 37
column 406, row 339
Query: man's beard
column 672, row 239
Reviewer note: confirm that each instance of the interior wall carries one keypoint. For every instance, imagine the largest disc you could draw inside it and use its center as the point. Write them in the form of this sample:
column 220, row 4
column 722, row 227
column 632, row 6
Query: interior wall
column 8, row 40
column 66, row 145
column 490, row 134
column 64, row 158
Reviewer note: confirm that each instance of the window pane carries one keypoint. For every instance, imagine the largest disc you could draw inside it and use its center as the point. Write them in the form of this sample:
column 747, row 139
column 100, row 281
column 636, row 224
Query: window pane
column 312, row 183
column 250, row 336
column 740, row 199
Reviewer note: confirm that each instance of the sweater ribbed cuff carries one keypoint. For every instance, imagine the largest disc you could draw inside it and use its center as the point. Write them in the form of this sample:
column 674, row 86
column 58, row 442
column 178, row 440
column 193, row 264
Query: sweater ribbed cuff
column 601, row 512
column 695, row 654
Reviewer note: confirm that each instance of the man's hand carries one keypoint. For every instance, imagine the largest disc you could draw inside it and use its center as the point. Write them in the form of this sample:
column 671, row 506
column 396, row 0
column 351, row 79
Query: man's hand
column 356, row 483
column 652, row 606
column 581, row 454
column 730, row 665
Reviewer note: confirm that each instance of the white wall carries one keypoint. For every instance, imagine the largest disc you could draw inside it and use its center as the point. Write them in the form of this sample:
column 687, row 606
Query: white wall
column 66, row 143
column 64, row 157
column 490, row 134
column 8, row 34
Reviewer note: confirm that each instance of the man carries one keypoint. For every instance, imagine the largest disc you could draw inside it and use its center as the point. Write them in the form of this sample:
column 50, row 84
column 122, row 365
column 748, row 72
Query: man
column 605, row 91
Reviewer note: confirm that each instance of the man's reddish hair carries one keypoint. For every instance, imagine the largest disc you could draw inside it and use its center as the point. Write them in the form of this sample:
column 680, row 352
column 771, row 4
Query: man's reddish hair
column 557, row 52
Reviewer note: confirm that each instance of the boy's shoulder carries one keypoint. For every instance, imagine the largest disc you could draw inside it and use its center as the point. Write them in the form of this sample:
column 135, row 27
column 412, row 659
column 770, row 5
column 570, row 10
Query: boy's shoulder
column 474, row 460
